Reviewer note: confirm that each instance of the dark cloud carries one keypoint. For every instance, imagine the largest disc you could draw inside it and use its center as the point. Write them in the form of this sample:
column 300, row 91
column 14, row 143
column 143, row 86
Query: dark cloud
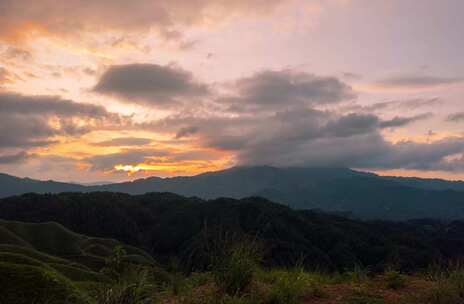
column 368, row 151
column 292, row 137
column 456, row 117
column 133, row 157
column 420, row 156
column 124, row 141
column 410, row 104
column 13, row 158
column 271, row 90
column 418, row 81
column 419, row 102
column 402, row 121
column 31, row 121
column 13, row 103
column 150, row 84
column 186, row 131
column 352, row 124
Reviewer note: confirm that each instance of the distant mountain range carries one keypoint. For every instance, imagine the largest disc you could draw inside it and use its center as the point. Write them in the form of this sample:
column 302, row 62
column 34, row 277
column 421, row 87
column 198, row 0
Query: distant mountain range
column 342, row 190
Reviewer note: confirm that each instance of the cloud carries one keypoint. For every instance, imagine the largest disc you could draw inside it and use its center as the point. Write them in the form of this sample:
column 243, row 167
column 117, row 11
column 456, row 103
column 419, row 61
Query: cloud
column 13, row 158
column 456, row 117
column 420, row 156
column 142, row 159
column 352, row 124
column 186, row 131
column 273, row 90
column 17, row 53
column 5, row 76
column 351, row 76
column 150, row 84
column 107, row 162
column 124, row 141
column 417, row 82
column 19, row 19
column 402, row 121
column 32, row 121
column 366, row 151
column 409, row 104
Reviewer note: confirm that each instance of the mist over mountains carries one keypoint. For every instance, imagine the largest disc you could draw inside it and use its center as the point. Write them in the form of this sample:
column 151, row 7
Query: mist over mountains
column 341, row 190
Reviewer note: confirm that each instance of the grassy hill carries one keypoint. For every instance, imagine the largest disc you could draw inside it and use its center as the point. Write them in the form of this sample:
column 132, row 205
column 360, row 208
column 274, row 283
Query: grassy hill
column 225, row 251
column 236, row 275
column 168, row 225
column 46, row 262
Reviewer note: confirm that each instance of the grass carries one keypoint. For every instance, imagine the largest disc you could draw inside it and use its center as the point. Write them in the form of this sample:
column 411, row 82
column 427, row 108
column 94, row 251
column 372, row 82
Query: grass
column 234, row 266
column 395, row 280
column 102, row 271
column 25, row 284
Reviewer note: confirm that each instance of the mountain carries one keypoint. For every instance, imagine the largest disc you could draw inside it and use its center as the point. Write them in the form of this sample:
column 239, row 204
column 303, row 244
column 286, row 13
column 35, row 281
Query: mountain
column 11, row 185
column 428, row 183
column 360, row 194
column 170, row 226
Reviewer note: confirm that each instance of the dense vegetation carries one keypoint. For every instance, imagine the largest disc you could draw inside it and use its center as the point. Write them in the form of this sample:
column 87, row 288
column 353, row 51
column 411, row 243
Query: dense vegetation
column 358, row 194
column 47, row 263
column 234, row 275
column 170, row 226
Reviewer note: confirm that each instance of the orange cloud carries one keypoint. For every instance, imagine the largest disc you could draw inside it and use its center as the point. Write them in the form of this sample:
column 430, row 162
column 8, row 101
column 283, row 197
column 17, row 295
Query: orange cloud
column 21, row 19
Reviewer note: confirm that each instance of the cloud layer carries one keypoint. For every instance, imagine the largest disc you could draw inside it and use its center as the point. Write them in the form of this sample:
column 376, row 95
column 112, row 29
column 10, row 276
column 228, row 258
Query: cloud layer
column 32, row 121
column 21, row 18
column 150, row 84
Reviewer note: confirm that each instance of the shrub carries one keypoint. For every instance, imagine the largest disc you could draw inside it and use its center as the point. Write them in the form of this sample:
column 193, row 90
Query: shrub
column 132, row 287
column 362, row 296
column 289, row 286
column 357, row 275
column 395, row 280
column 234, row 266
column 443, row 293
column 456, row 279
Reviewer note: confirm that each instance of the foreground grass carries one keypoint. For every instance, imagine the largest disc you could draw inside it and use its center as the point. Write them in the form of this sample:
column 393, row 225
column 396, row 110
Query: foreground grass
column 149, row 285
column 234, row 277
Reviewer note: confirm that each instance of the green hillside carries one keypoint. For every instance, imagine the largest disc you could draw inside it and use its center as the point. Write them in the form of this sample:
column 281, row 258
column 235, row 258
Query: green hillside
column 170, row 226
column 47, row 263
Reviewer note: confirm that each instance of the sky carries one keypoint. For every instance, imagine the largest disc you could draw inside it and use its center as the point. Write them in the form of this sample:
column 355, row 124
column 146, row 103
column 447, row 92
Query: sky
column 117, row 90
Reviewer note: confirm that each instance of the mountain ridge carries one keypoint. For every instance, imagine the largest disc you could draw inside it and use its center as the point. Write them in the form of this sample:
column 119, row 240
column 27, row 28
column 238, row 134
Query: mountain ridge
column 361, row 194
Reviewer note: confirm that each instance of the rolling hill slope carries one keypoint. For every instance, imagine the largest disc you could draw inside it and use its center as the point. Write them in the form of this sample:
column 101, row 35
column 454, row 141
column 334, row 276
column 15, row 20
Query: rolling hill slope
column 169, row 225
column 46, row 262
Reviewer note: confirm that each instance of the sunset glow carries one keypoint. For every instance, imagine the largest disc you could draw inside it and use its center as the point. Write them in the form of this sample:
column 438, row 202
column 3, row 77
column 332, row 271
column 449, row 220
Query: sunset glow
column 115, row 90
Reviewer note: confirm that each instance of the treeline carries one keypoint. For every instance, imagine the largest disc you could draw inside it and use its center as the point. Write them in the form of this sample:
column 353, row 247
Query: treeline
column 172, row 227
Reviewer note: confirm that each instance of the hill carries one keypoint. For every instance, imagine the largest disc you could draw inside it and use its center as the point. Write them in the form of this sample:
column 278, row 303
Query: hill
column 359, row 194
column 11, row 185
column 46, row 263
column 168, row 225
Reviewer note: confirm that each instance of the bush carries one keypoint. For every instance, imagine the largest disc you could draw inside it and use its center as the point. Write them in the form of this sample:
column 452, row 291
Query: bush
column 235, row 265
column 357, row 275
column 132, row 287
column 443, row 293
column 361, row 296
column 395, row 280
column 287, row 287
